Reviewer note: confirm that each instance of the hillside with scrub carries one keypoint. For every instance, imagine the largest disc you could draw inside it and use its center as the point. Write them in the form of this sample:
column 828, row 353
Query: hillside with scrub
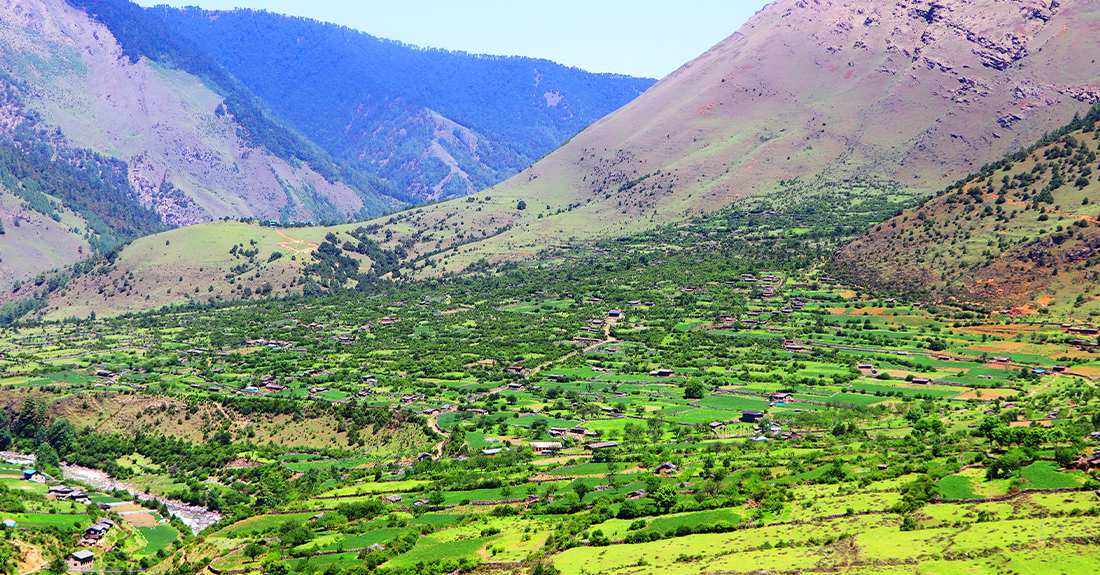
column 1019, row 233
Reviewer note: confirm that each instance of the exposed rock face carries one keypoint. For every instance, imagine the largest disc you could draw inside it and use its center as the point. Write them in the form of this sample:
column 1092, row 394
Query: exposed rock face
column 186, row 161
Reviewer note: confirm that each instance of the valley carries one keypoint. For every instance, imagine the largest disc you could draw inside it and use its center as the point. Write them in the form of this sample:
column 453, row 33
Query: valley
column 821, row 300
column 716, row 412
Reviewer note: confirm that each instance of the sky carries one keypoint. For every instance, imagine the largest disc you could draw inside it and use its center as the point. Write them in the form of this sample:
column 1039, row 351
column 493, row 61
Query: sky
column 639, row 38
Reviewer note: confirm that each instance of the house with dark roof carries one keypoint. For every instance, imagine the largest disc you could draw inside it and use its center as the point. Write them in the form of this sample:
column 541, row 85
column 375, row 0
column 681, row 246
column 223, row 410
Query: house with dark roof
column 751, row 416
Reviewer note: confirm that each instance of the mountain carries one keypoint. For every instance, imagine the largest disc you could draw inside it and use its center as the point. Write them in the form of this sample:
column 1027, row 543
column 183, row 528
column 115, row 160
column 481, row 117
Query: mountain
column 1019, row 233
column 816, row 118
column 108, row 137
column 899, row 98
column 433, row 123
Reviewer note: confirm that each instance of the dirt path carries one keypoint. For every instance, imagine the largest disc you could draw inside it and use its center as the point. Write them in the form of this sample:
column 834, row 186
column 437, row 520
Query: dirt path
column 292, row 242
column 433, row 422
column 32, row 560
column 607, row 339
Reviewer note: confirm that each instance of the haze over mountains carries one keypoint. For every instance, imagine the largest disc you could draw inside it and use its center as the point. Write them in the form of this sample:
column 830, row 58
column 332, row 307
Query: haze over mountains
column 433, row 123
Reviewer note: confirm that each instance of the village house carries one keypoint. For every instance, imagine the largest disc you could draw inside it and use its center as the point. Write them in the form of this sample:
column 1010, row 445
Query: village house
column 1087, row 462
column 98, row 530
column 81, row 560
column 780, row 397
column 546, row 447
column 751, row 416
column 392, row 498
column 665, row 468
column 662, row 372
column 717, row 425
column 601, row 445
column 57, row 491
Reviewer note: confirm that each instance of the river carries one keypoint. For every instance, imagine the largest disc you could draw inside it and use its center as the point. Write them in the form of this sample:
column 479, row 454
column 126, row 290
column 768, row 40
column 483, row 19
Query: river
column 194, row 516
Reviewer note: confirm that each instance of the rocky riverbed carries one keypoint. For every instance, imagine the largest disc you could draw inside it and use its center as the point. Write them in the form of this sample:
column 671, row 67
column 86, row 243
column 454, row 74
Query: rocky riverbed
column 195, row 517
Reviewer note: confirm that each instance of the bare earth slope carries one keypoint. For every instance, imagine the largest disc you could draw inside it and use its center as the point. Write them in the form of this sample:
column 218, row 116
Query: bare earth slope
column 185, row 161
column 915, row 92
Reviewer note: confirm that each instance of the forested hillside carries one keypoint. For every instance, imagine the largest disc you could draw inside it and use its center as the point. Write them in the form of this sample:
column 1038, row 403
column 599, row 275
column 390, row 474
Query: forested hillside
column 434, row 123
column 142, row 35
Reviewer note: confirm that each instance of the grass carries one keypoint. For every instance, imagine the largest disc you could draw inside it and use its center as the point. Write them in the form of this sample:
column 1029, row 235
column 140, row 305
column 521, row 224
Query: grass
column 260, row 524
column 1046, row 475
column 28, row 520
column 956, row 487
column 365, row 539
column 434, row 548
column 157, row 538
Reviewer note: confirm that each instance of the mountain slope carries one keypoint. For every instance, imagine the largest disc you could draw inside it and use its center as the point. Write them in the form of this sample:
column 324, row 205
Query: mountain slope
column 186, row 154
column 432, row 122
column 1021, row 232
column 904, row 96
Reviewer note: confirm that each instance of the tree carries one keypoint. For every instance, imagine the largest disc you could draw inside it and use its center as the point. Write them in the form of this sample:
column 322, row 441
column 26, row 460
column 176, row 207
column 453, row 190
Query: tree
column 253, row 550
column 276, row 567
column 655, row 428
column 61, row 436
column 917, row 493
column 1011, row 461
column 1065, row 456
column 522, row 205
column 666, row 497
column 47, row 457
column 694, row 390
column 57, row 565
column 436, row 498
column 929, row 425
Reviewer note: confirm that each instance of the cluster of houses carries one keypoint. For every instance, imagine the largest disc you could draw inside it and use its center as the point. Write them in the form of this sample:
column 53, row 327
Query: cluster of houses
column 575, row 432
column 1087, row 462
column 93, row 533
column 66, row 493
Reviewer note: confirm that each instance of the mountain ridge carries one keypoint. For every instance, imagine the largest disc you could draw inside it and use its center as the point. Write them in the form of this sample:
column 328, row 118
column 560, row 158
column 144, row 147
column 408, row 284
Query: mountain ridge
column 376, row 103
column 914, row 93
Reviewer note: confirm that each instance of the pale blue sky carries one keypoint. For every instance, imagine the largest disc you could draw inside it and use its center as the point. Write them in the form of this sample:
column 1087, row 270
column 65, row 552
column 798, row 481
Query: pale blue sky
column 628, row 37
